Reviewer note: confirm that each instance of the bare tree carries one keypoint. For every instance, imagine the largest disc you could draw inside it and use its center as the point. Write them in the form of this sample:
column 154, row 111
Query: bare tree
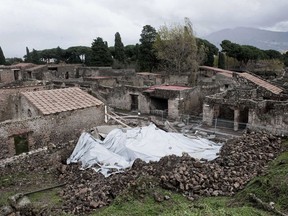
column 177, row 49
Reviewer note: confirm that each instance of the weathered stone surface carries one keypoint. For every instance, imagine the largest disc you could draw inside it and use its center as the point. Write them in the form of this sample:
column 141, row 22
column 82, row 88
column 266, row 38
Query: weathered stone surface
column 6, row 210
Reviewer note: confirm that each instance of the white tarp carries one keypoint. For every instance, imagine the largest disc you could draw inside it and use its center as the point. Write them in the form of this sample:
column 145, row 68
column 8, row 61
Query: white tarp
column 122, row 146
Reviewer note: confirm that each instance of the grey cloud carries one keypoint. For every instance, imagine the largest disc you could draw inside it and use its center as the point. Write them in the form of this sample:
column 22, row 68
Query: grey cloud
column 43, row 24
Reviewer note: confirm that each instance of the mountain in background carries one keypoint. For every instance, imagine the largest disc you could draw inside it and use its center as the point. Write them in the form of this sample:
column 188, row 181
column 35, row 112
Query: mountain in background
column 263, row 39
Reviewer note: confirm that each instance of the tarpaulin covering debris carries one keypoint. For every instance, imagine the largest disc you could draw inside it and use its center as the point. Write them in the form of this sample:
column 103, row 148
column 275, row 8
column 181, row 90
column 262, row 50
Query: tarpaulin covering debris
column 122, row 146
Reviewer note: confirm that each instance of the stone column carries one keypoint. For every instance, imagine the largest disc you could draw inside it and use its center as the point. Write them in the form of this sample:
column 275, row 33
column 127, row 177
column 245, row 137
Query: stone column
column 208, row 114
column 173, row 108
column 236, row 119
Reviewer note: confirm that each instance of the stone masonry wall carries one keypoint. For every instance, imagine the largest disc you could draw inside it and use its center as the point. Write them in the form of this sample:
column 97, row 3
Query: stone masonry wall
column 9, row 100
column 177, row 79
column 26, row 109
column 191, row 102
column 274, row 121
column 57, row 128
column 6, row 76
column 120, row 98
column 104, row 71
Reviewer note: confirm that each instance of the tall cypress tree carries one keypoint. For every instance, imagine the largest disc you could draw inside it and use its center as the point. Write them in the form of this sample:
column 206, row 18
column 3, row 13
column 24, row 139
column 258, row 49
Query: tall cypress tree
column 147, row 54
column 119, row 49
column 2, row 57
column 221, row 60
column 101, row 55
column 27, row 57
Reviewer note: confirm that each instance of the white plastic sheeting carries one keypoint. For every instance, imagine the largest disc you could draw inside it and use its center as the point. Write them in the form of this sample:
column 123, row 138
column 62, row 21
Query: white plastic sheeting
column 122, row 146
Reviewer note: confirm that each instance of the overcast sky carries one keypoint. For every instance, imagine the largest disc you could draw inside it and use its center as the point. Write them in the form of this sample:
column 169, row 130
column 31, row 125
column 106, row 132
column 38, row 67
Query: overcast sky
column 43, row 24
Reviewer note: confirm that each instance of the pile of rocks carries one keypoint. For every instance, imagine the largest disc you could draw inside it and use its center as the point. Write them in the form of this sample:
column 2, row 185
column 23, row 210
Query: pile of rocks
column 239, row 161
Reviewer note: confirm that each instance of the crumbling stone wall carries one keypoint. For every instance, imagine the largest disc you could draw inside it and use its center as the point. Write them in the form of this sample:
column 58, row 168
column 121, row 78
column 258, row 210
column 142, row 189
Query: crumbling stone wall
column 36, row 72
column 177, row 79
column 104, row 71
column 130, row 80
column 57, row 128
column 120, row 98
column 271, row 117
column 261, row 91
column 62, row 69
column 110, row 82
column 150, row 79
column 222, row 80
column 263, row 115
column 6, row 76
column 191, row 102
column 26, row 109
column 173, row 108
column 9, row 100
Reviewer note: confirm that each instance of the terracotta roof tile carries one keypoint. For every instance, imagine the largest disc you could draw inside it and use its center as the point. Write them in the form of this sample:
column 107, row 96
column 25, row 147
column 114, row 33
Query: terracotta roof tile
column 61, row 100
column 250, row 77
column 219, row 70
column 262, row 83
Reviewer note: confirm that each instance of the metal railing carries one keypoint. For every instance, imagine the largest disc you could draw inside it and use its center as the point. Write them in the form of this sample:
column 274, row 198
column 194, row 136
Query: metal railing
column 219, row 124
column 162, row 113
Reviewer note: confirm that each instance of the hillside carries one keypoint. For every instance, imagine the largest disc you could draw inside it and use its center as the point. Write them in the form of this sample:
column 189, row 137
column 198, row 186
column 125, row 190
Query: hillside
column 262, row 39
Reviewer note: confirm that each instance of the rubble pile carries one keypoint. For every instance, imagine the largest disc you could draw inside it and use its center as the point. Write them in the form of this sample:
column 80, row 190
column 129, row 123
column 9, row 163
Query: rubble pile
column 239, row 161
column 39, row 165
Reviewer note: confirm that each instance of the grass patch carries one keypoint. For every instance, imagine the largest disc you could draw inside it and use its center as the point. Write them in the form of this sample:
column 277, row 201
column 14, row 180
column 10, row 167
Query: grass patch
column 48, row 197
column 130, row 205
column 139, row 199
column 4, row 197
column 21, row 182
column 219, row 206
column 12, row 179
column 177, row 205
column 272, row 186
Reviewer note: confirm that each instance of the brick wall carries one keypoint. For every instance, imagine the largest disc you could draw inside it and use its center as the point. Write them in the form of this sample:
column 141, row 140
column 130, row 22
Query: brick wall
column 58, row 128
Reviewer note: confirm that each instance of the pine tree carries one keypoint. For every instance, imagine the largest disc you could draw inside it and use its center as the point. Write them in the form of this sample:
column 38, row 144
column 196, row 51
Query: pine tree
column 101, row 55
column 2, row 57
column 119, row 49
column 35, row 57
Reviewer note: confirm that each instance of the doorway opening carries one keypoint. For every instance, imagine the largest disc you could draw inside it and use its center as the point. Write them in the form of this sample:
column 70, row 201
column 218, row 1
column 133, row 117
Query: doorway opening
column 134, row 102
column 21, row 143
